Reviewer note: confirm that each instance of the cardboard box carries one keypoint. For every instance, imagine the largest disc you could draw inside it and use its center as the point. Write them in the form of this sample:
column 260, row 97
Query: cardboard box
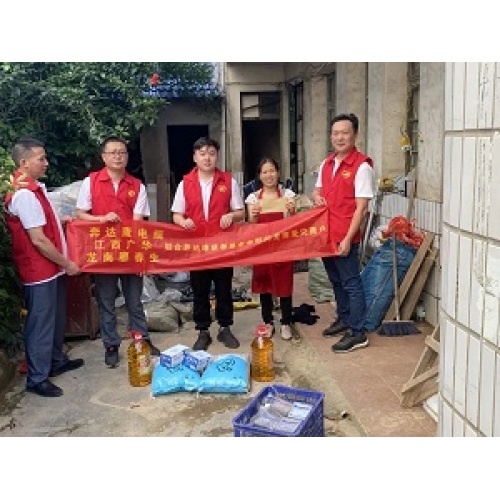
column 196, row 360
column 173, row 356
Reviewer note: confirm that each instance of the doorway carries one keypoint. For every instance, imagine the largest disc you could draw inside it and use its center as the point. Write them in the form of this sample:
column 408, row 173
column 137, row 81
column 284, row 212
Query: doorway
column 180, row 140
column 259, row 138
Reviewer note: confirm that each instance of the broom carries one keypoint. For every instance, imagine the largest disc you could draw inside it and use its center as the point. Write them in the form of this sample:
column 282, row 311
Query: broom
column 397, row 327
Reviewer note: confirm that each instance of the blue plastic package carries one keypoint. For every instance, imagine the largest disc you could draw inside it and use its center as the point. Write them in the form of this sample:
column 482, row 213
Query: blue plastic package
column 178, row 378
column 226, row 373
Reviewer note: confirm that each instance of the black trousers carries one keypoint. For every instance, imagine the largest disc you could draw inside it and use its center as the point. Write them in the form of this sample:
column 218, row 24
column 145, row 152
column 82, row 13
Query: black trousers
column 201, row 283
column 266, row 302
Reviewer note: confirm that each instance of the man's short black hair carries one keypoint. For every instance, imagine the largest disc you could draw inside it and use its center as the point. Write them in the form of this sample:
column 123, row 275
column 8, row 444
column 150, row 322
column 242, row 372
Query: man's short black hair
column 205, row 141
column 349, row 117
column 113, row 138
column 23, row 148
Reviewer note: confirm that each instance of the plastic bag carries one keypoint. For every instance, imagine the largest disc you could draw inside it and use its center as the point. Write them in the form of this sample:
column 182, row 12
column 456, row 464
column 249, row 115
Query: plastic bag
column 226, row 373
column 168, row 380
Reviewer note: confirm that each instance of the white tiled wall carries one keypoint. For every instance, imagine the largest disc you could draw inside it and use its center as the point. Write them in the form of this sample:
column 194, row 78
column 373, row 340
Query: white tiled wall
column 496, row 415
column 487, row 390
column 486, row 94
column 467, row 181
column 464, row 280
column 469, row 387
column 471, row 96
column 473, row 366
column 477, row 287
column 494, row 221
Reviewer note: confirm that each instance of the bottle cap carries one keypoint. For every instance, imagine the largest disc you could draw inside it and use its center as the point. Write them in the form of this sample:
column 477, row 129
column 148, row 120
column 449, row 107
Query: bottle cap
column 261, row 331
column 136, row 335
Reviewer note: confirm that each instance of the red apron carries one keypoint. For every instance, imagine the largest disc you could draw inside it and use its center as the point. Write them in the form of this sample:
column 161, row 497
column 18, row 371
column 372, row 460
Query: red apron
column 276, row 279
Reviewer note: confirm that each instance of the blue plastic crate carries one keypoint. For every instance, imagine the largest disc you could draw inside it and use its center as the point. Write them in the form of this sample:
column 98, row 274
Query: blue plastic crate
column 312, row 426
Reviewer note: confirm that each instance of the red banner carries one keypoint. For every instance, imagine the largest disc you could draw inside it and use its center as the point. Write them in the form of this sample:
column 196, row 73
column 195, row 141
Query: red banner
column 158, row 247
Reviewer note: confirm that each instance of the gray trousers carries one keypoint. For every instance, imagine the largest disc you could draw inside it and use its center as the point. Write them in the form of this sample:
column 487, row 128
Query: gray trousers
column 106, row 293
column 44, row 328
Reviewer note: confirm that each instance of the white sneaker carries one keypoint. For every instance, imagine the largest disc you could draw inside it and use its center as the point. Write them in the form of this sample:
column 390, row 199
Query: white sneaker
column 286, row 333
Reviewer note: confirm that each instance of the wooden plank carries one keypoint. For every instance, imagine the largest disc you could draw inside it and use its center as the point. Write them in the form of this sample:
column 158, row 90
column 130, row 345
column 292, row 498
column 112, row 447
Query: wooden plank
column 410, row 274
column 423, row 381
column 411, row 301
column 420, row 379
column 433, row 344
column 417, row 398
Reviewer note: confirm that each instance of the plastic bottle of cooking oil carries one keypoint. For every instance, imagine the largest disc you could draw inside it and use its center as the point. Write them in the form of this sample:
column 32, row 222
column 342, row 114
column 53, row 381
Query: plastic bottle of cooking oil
column 139, row 361
column 261, row 366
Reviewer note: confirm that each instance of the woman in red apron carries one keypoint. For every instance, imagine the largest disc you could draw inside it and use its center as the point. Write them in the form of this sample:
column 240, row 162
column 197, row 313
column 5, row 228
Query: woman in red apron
column 270, row 280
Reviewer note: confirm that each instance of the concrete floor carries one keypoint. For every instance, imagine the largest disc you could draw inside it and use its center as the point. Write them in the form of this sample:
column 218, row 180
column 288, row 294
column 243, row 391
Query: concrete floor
column 361, row 388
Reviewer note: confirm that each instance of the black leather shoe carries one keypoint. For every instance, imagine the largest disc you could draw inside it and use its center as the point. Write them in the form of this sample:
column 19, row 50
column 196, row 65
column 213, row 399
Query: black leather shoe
column 335, row 328
column 71, row 364
column 46, row 389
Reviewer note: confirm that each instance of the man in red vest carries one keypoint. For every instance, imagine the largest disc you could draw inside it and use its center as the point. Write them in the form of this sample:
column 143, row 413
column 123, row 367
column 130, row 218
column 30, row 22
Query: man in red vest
column 113, row 195
column 208, row 198
column 345, row 185
column 40, row 255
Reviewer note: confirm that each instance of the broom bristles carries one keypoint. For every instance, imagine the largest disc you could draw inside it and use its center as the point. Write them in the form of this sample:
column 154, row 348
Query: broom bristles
column 396, row 328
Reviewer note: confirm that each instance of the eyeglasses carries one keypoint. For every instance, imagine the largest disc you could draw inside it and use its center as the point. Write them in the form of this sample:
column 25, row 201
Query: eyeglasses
column 116, row 153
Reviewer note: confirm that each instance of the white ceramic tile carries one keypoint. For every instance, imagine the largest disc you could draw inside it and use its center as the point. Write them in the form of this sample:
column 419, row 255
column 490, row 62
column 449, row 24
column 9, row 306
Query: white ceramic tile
column 486, row 94
column 496, row 114
column 487, row 388
column 456, row 181
column 458, row 426
column 471, row 95
column 464, row 277
column 482, row 186
column 493, row 270
column 450, row 268
column 467, row 193
column 445, row 245
column 460, row 370
column 490, row 326
column 473, row 368
column 458, row 96
column 445, row 421
column 439, row 217
column 447, row 359
column 494, row 206
column 447, row 177
column 496, row 416
column 448, row 96
column 477, row 289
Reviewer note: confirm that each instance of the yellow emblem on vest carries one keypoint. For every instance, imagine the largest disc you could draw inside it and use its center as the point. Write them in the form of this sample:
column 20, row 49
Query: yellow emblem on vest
column 131, row 193
column 222, row 189
column 345, row 174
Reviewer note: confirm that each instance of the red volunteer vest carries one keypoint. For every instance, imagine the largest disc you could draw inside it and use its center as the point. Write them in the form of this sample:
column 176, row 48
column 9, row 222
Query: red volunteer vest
column 220, row 199
column 31, row 265
column 339, row 193
column 105, row 200
column 277, row 278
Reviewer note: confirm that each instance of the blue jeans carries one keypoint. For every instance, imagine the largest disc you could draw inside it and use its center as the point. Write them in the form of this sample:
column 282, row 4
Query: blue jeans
column 344, row 275
column 106, row 292
column 44, row 328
